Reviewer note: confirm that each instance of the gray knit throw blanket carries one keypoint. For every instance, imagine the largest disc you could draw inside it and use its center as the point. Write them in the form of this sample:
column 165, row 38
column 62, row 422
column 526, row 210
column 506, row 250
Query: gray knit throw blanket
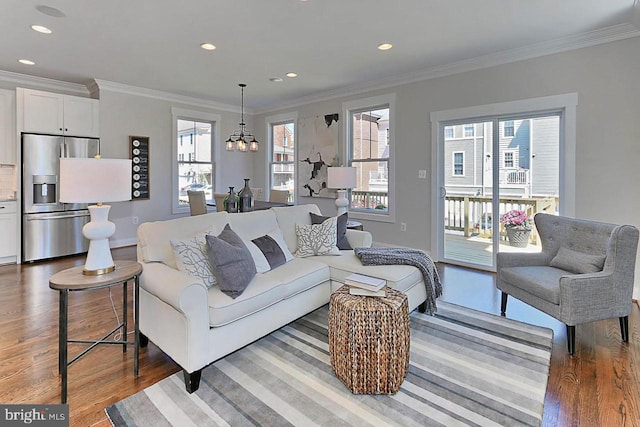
column 406, row 256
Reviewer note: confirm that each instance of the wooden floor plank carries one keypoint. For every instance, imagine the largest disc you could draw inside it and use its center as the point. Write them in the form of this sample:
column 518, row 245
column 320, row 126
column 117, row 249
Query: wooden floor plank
column 599, row 385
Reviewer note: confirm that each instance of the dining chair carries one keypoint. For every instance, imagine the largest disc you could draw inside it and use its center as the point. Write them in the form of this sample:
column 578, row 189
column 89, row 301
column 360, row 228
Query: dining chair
column 197, row 202
column 257, row 193
column 280, row 196
column 219, row 198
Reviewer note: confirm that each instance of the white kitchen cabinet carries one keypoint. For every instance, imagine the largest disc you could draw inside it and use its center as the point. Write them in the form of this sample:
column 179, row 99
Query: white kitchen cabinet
column 58, row 114
column 8, row 227
column 7, row 127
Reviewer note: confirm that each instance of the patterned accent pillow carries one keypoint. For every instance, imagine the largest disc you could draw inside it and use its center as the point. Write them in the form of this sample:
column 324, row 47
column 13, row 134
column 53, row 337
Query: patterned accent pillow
column 317, row 239
column 343, row 243
column 191, row 257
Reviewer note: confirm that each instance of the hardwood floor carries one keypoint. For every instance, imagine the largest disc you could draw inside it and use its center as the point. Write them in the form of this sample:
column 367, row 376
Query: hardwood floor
column 598, row 386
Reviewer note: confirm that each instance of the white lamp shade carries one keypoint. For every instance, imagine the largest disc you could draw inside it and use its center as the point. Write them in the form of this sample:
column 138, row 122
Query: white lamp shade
column 87, row 180
column 341, row 177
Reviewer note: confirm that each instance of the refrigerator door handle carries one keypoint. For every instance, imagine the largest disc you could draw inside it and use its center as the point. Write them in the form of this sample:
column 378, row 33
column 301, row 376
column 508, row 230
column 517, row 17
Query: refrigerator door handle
column 48, row 216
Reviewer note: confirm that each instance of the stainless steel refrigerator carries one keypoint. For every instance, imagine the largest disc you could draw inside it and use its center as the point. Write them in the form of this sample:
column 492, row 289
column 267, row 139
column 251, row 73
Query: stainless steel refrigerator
column 49, row 228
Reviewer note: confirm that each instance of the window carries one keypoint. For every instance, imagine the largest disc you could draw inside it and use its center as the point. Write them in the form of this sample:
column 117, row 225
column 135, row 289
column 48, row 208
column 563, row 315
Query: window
column 448, row 132
column 458, row 163
column 193, row 154
column 283, row 166
column 469, row 130
column 370, row 141
column 509, row 128
column 508, row 159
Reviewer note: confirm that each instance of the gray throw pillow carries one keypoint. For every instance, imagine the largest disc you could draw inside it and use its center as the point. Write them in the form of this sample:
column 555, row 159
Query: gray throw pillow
column 343, row 243
column 230, row 261
column 577, row 262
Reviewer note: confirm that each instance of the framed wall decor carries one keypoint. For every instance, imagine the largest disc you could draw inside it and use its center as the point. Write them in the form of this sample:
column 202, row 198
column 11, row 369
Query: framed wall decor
column 317, row 150
column 139, row 155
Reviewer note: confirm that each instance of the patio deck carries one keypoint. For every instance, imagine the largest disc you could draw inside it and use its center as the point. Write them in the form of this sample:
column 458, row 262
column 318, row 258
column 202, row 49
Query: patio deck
column 476, row 249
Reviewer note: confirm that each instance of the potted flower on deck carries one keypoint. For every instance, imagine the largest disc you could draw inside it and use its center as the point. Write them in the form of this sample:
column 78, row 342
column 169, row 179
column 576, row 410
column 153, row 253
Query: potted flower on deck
column 518, row 226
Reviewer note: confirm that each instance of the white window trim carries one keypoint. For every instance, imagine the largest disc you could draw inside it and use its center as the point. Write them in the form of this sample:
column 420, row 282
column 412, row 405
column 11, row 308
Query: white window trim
column 277, row 119
column 180, row 113
column 513, row 159
column 568, row 103
column 372, row 102
column 453, row 164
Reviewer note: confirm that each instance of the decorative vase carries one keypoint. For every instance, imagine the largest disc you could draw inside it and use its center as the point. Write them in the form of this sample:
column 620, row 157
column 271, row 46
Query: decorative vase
column 518, row 238
column 231, row 201
column 246, row 197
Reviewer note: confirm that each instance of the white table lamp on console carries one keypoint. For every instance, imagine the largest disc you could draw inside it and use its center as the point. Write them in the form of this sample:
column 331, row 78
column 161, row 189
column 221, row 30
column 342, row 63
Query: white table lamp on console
column 341, row 178
column 96, row 180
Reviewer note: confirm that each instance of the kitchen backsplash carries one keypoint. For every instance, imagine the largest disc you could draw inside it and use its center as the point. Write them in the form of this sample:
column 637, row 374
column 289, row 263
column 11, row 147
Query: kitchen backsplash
column 7, row 182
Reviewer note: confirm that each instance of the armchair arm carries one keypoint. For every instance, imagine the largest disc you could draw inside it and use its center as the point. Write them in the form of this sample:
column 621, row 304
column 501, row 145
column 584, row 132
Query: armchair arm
column 592, row 296
column 359, row 239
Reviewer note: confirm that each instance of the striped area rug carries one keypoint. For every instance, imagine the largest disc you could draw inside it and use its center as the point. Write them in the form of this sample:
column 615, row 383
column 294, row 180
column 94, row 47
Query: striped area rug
column 467, row 368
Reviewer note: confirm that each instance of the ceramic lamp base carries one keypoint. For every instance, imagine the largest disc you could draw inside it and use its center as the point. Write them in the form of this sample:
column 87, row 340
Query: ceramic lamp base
column 98, row 231
column 342, row 203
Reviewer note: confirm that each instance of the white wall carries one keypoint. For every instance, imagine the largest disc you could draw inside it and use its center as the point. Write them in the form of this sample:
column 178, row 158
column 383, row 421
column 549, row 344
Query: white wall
column 608, row 131
column 608, row 137
column 122, row 115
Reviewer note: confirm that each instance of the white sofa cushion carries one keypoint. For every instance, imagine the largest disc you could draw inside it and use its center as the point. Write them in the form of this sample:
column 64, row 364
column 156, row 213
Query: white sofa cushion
column 399, row 277
column 288, row 217
column 267, row 289
column 154, row 237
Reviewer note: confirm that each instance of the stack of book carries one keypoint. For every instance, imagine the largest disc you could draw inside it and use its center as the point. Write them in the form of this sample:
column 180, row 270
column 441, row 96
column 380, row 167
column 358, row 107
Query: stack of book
column 359, row 284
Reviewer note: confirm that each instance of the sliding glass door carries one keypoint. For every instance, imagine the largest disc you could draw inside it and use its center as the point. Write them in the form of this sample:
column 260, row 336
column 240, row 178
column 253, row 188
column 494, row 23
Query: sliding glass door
column 495, row 175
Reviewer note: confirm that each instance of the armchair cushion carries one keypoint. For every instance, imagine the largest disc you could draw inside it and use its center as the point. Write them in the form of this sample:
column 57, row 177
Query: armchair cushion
column 577, row 262
column 543, row 282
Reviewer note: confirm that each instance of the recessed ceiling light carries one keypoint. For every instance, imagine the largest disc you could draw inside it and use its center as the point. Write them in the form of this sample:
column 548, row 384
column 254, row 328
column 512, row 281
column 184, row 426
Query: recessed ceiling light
column 291, row 75
column 41, row 29
column 385, row 46
column 208, row 46
column 276, row 79
column 26, row 62
column 50, row 11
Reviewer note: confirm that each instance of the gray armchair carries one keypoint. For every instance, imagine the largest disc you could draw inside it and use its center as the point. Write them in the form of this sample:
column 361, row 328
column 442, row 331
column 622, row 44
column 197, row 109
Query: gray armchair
column 584, row 273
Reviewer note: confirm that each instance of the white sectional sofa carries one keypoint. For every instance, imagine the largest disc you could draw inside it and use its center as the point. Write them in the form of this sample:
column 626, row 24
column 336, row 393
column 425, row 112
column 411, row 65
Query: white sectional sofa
column 196, row 325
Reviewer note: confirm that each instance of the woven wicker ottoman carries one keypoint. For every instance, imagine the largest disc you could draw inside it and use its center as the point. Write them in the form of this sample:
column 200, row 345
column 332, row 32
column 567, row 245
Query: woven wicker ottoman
column 369, row 340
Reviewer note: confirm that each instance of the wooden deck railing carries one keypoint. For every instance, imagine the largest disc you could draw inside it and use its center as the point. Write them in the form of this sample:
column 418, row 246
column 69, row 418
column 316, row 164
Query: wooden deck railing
column 474, row 214
column 369, row 199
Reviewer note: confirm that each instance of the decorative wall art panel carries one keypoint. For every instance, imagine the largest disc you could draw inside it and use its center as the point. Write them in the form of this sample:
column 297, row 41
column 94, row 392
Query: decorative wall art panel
column 139, row 146
column 317, row 150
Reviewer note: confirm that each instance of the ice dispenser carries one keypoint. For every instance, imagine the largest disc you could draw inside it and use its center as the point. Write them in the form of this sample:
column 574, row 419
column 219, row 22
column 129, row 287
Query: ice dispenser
column 44, row 188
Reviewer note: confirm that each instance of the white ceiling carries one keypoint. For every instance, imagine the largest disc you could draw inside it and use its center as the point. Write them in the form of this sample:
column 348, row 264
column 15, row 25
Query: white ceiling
column 331, row 44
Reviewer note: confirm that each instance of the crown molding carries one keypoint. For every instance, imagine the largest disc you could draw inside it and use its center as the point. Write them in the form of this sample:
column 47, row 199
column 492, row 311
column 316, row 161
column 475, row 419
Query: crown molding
column 43, row 83
column 564, row 44
column 99, row 85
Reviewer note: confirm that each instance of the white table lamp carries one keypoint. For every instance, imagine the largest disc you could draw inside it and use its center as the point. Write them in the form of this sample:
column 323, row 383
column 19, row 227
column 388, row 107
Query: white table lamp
column 97, row 180
column 341, row 178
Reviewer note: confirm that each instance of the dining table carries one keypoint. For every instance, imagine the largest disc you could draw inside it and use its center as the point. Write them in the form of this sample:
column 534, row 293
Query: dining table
column 258, row 205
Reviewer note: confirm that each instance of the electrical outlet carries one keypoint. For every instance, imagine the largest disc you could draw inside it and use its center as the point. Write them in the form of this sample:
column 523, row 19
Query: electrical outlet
column 403, row 226
column 135, row 220
column 422, row 174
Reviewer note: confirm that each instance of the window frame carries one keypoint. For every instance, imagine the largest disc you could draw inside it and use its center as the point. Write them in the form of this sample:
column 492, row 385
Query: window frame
column 464, row 130
column 453, row 164
column 198, row 116
column 512, row 126
column 279, row 119
column 366, row 104
column 513, row 159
